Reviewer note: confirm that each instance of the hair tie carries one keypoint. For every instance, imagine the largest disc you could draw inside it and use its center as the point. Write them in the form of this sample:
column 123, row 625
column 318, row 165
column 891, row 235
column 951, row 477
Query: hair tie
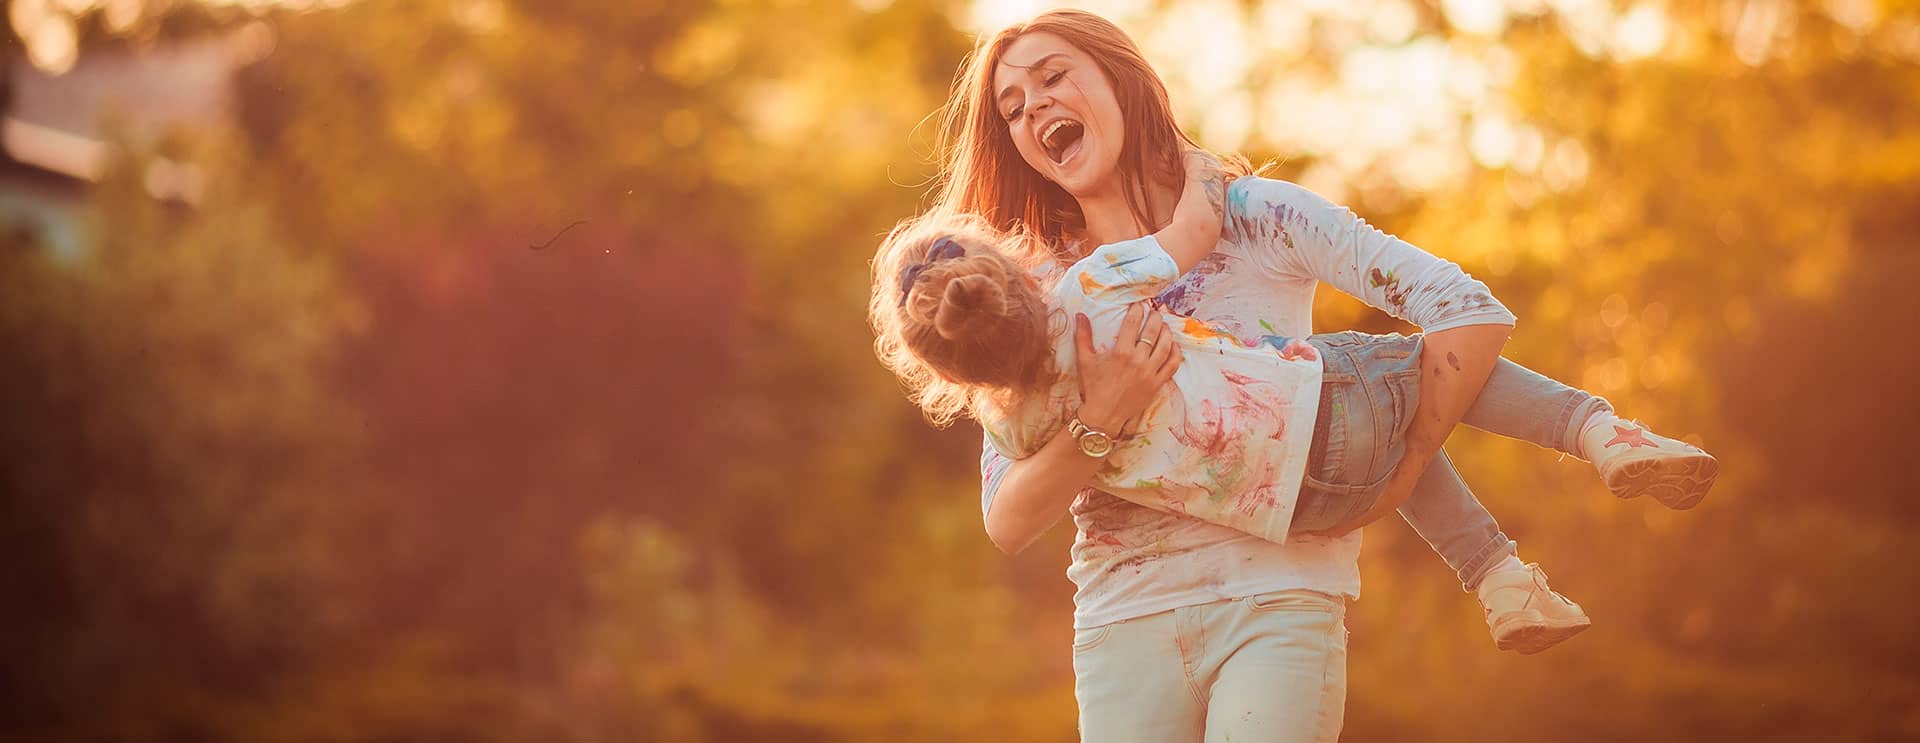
column 944, row 249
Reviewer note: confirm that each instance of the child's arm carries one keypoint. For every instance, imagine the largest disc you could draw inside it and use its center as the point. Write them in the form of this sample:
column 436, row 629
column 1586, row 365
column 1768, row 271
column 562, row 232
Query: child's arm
column 1198, row 218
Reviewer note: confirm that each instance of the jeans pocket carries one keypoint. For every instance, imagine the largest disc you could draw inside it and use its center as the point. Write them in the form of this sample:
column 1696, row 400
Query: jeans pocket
column 1091, row 637
column 1328, row 504
column 1342, row 338
column 1293, row 600
column 1404, row 386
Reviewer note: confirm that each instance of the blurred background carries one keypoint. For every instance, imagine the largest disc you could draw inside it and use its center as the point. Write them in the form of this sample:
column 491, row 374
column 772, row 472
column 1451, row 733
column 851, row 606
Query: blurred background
column 496, row 370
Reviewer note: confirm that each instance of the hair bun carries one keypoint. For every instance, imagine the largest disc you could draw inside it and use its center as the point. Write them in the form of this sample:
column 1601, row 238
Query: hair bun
column 973, row 301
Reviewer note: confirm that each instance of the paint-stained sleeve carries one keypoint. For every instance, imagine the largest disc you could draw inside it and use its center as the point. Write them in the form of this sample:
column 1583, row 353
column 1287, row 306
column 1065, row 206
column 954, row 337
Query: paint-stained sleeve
column 1121, row 273
column 1296, row 232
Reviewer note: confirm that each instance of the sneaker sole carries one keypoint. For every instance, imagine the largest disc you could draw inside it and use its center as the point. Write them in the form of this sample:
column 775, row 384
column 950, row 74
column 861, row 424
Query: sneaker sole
column 1677, row 482
column 1540, row 635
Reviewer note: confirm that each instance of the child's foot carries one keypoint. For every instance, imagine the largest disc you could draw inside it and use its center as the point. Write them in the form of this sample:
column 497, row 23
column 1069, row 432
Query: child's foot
column 1635, row 461
column 1525, row 614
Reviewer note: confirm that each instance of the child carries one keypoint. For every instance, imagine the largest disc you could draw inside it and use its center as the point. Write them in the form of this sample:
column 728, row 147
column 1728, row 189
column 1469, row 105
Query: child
column 1265, row 438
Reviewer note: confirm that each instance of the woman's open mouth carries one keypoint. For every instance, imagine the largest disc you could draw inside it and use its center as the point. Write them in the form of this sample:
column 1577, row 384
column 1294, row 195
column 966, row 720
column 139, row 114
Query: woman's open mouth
column 1062, row 140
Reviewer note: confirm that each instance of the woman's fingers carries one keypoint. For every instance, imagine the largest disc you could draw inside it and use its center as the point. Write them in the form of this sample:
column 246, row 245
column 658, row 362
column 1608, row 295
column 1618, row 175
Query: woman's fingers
column 1083, row 337
column 1152, row 338
column 1170, row 364
column 1130, row 325
column 1162, row 347
column 1157, row 329
column 1149, row 339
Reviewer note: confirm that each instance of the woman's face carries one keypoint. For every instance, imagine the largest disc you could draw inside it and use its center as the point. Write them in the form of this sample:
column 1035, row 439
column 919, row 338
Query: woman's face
column 1061, row 113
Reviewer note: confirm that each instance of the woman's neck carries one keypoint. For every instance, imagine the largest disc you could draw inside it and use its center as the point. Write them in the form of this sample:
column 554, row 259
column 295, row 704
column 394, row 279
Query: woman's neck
column 1110, row 219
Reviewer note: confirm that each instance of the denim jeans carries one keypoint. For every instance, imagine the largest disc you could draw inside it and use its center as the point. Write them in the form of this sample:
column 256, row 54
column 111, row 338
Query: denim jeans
column 1369, row 391
column 1267, row 668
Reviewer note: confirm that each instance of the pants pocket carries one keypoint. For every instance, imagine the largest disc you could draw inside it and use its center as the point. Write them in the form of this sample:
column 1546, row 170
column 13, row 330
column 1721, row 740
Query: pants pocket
column 1404, row 387
column 1294, row 600
column 1090, row 638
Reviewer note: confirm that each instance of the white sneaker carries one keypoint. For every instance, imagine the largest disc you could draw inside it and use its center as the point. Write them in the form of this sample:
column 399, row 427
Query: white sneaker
column 1634, row 461
column 1525, row 614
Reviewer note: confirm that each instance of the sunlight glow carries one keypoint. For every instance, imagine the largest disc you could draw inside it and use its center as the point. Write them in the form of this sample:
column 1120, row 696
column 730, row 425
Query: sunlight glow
column 1759, row 24
column 1283, row 28
column 1492, row 141
column 49, row 29
column 1587, row 23
column 1209, row 40
column 989, row 16
column 53, row 44
column 1566, row 168
column 1356, row 85
column 1641, row 33
column 1858, row 15
column 1479, row 17
column 122, row 14
column 1392, row 22
column 1229, row 122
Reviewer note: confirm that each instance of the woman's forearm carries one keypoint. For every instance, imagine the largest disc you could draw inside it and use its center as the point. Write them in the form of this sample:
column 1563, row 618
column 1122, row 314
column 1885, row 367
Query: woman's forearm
column 1035, row 492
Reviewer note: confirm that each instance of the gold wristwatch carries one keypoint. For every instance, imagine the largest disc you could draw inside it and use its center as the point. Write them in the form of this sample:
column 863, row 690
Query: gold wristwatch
column 1093, row 443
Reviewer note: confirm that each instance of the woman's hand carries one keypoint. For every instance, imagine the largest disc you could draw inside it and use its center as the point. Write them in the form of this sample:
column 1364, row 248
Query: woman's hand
column 1117, row 384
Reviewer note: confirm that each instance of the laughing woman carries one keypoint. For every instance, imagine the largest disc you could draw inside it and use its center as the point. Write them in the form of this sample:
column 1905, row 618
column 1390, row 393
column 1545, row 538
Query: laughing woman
column 1187, row 630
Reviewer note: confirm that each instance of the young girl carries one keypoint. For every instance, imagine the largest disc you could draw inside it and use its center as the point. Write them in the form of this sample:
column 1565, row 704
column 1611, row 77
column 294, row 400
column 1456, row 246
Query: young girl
column 1249, row 437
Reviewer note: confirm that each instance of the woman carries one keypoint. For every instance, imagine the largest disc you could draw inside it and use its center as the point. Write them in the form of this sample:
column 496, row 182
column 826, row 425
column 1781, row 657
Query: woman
column 1187, row 630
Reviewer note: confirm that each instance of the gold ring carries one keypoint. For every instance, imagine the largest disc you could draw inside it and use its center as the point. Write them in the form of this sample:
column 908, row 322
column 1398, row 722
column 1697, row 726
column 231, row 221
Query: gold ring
column 1143, row 340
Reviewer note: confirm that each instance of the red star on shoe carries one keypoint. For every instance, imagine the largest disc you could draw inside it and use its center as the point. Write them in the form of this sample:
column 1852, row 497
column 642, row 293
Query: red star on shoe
column 1630, row 436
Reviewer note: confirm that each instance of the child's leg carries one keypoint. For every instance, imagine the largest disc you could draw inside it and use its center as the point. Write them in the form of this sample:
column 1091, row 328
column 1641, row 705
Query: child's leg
column 1369, row 390
column 1446, row 514
column 1520, row 403
column 1523, row 404
column 1523, row 612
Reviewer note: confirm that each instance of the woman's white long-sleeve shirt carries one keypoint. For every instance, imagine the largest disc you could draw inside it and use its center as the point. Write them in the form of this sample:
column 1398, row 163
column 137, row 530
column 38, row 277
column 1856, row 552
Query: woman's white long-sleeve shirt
column 1281, row 240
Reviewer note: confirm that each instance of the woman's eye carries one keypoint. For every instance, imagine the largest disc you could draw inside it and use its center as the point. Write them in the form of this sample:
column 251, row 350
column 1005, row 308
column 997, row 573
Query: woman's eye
column 1055, row 77
column 1013, row 115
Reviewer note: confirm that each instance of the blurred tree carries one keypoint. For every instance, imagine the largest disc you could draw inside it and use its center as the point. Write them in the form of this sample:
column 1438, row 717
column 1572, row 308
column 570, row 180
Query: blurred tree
column 173, row 443
column 691, row 354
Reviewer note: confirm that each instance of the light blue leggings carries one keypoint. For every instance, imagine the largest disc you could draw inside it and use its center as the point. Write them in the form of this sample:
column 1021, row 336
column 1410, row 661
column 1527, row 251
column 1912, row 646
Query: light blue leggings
column 1368, row 394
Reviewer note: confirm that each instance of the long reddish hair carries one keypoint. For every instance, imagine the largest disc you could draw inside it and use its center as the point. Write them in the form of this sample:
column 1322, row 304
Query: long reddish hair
column 982, row 173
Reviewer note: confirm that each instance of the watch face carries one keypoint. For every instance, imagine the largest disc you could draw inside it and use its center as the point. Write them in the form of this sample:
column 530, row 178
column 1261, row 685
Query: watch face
column 1096, row 444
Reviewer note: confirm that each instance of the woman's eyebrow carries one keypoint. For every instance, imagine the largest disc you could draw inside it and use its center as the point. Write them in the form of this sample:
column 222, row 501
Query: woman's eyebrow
column 1036, row 63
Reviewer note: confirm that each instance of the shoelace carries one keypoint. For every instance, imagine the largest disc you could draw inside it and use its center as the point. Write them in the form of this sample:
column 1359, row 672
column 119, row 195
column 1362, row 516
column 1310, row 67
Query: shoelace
column 1540, row 581
column 1538, row 584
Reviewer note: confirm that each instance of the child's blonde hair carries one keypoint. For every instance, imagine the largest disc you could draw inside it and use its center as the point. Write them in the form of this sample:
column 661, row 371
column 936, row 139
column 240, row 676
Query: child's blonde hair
column 961, row 324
